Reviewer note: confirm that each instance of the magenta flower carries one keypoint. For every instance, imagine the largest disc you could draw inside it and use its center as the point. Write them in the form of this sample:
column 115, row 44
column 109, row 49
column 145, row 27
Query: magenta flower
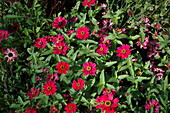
column 34, row 92
column 10, row 54
column 78, row 85
column 152, row 104
column 102, row 49
column 59, row 22
column 53, row 77
column 40, row 43
column 124, row 51
column 107, row 23
column 89, row 68
column 82, row 33
column 69, row 32
column 3, row 35
column 144, row 44
column 60, row 48
column 57, row 38
column 88, row 3
column 70, row 108
column 110, row 93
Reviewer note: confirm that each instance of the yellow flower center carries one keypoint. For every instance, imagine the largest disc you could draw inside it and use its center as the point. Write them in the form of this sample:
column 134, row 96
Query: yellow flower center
column 139, row 73
column 152, row 105
column 2, row 34
column 60, row 47
column 71, row 107
column 82, row 33
column 33, row 92
column 78, row 84
column 88, row 68
column 124, row 51
column 49, row 88
column 62, row 67
column 51, row 77
column 108, row 103
column 89, row 0
column 40, row 43
column 101, row 49
column 108, row 91
column 59, row 23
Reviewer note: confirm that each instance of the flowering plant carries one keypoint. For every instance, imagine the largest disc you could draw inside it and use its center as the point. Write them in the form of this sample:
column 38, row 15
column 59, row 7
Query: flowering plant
column 90, row 56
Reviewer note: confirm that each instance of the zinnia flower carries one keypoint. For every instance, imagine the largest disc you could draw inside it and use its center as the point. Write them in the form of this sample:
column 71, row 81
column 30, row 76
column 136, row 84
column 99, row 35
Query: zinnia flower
column 49, row 88
column 152, row 104
column 89, row 68
column 60, row 48
column 3, row 35
column 10, row 54
column 124, row 51
column 89, row 3
column 57, row 38
column 110, row 93
column 62, row 67
column 70, row 108
column 53, row 77
column 102, row 49
column 53, row 109
column 40, row 43
column 30, row 110
column 59, row 22
column 78, row 85
column 34, row 92
column 82, row 33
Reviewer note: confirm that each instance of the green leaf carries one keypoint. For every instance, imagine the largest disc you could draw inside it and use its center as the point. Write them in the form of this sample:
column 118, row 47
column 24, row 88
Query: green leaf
column 142, row 78
column 166, row 83
column 108, row 64
column 122, row 76
column 48, row 52
column 20, row 100
column 37, row 29
column 100, row 88
column 15, row 106
column 134, row 37
column 11, row 16
column 83, row 99
column 87, row 41
column 102, row 78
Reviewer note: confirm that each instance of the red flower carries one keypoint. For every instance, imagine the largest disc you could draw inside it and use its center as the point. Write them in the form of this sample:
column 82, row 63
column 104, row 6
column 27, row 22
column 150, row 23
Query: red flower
column 82, row 33
column 30, row 110
column 3, row 35
column 59, row 22
column 40, row 43
column 102, row 49
column 110, row 93
column 53, row 109
column 70, row 108
column 57, row 38
column 106, row 104
column 60, row 48
column 89, row 3
column 62, row 67
column 49, row 88
column 89, row 68
column 78, row 85
column 34, row 92
column 10, row 54
column 124, row 51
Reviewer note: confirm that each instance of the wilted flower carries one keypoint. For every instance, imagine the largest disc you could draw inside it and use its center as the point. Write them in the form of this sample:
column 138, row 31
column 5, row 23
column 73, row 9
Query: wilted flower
column 107, row 23
column 69, row 32
column 34, row 92
column 144, row 44
column 59, row 22
column 51, row 77
column 10, row 54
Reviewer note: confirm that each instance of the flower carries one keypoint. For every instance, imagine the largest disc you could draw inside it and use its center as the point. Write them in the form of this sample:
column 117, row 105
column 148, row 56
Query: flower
column 62, row 67
column 89, row 68
column 152, row 104
column 102, row 49
column 88, row 3
column 82, row 33
column 68, row 98
column 51, row 77
column 30, row 110
column 3, row 35
column 110, row 93
column 10, row 54
column 107, row 23
column 78, row 85
column 34, row 92
column 144, row 44
column 13, row 27
column 124, row 51
column 40, row 43
column 57, row 38
column 53, row 109
column 168, row 66
column 70, row 108
column 146, row 20
column 60, row 48
column 69, row 32
column 106, row 104
column 49, row 88
column 59, row 22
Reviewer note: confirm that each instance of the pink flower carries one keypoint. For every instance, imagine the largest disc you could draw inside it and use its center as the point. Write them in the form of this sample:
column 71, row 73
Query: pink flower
column 144, row 44
column 10, row 54
column 107, row 23
column 60, row 48
column 89, row 3
column 69, row 32
column 89, row 68
column 146, row 20
column 103, row 41
column 102, row 49
column 34, row 92
column 82, row 33
column 68, row 98
column 158, row 26
column 57, row 38
column 110, row 93
column 30, row 110
column 124, row 51
column 106, row 104
column 40, row 43
column 70, row 108
column 59, row 22
column 3, row 35
column 49, row 88
column 78, row 85
column 53, row 77
column 152, row 104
